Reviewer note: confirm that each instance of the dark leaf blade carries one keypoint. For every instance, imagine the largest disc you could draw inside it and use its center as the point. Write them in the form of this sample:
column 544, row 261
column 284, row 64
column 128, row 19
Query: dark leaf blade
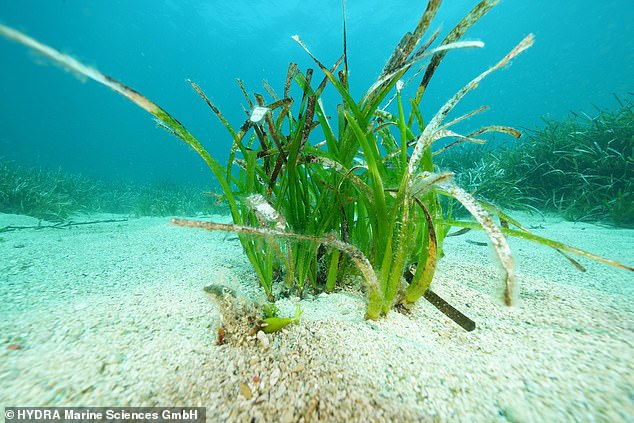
column 459, row 30
column 450, row 311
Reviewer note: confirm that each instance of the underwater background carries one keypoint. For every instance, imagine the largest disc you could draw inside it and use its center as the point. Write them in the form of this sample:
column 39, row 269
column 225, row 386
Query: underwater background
column 106, row 301
column 583, row 54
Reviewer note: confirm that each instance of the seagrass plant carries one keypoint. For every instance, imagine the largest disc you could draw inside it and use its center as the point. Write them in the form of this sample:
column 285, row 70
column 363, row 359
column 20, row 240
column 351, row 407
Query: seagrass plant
column 580, row 167
column 367, row 195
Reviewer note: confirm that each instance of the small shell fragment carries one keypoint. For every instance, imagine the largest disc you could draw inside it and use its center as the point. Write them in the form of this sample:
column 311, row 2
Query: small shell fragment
column 298, row 368
column 258, row 113
column 246, row 391
column 264, row 340
column 275, row 376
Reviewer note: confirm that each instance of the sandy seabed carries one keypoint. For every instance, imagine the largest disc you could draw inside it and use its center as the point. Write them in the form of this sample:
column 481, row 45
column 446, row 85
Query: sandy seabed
column 114, row 314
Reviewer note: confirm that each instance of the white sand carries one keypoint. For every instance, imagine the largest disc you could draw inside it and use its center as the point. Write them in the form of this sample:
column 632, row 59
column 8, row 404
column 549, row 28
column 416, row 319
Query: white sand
column 114, row 314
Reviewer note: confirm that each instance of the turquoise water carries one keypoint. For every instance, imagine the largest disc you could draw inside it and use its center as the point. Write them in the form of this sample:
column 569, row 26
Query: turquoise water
column 113, row 311
column 583, row 54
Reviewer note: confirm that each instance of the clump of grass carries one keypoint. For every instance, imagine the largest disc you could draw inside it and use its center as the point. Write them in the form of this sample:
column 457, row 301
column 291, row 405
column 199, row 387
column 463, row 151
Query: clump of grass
column 56, row 196
column 366, row 199
column 169, row 199
column 46, row 194
column 582, row 167
column 480, row 170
